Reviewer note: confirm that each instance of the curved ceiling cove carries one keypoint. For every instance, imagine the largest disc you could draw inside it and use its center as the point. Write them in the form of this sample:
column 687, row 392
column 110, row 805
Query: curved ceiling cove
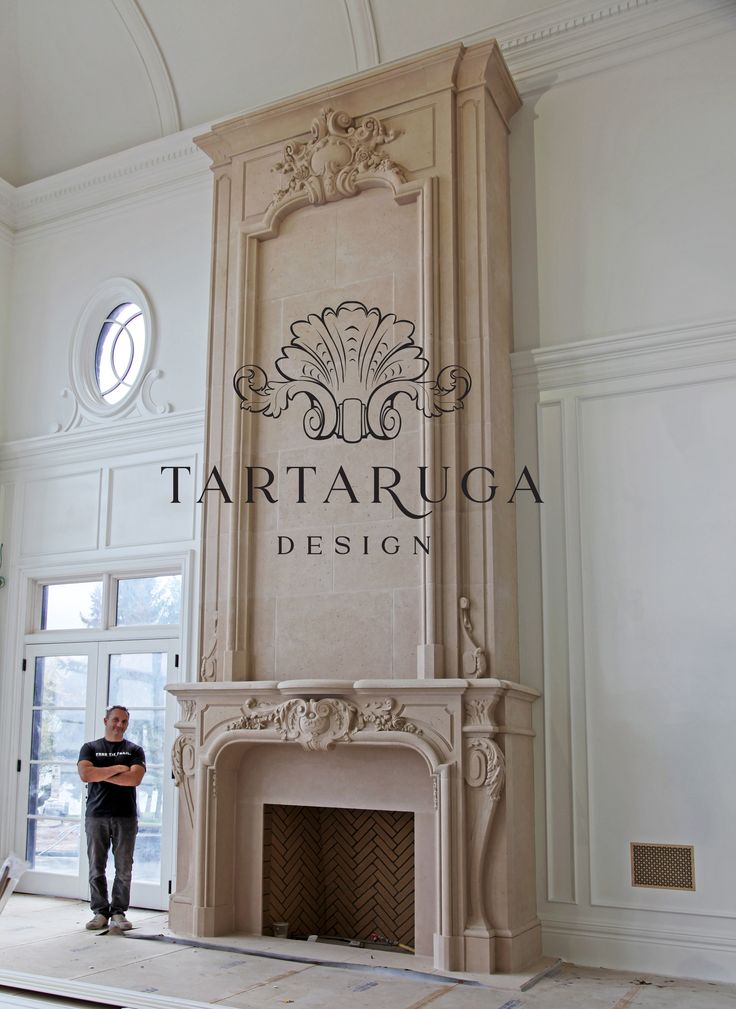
column 83, row 79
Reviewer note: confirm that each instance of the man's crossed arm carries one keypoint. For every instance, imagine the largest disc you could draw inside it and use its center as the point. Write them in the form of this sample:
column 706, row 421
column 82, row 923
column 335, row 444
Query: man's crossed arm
column 118, row 774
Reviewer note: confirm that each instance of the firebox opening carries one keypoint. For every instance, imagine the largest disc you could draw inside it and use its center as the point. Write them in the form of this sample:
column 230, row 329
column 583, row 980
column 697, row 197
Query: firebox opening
column 344, row 873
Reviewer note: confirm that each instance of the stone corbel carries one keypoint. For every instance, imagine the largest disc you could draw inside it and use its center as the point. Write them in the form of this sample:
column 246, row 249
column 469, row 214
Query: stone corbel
column 183, row 766
column 485, row 772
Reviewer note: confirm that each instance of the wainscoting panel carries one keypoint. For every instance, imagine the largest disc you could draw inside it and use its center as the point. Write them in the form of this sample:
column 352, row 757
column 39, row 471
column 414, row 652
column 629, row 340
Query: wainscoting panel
column 636, row 438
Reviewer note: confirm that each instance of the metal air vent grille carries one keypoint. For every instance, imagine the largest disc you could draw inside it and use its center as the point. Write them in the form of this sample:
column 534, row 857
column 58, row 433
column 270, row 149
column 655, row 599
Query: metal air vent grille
column 665, row 866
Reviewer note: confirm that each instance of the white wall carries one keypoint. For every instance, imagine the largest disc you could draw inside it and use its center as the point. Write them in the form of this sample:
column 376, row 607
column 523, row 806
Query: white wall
column 92, row 499
column 624, row 188
column 624, row 202
column 160, row 242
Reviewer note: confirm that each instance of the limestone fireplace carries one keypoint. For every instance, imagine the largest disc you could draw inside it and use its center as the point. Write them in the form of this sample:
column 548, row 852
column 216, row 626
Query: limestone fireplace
column 359, row 620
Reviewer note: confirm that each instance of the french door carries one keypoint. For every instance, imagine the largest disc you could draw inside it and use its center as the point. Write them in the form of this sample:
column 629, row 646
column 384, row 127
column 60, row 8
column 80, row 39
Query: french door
column 67, row 687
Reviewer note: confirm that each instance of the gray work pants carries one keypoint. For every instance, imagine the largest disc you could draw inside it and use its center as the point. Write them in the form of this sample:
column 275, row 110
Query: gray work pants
column 104, row 832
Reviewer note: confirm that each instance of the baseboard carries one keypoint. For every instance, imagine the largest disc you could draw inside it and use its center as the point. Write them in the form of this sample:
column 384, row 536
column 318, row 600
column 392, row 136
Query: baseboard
column 649, row 951
column 82, row 991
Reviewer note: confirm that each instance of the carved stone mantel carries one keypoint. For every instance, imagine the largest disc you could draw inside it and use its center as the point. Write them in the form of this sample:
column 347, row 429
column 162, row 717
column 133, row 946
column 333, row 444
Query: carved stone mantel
column 460, row 728
column 361, row 324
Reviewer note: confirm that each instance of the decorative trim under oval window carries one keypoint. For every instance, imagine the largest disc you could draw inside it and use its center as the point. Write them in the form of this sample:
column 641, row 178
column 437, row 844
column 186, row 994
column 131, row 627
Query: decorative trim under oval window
column 110, row 356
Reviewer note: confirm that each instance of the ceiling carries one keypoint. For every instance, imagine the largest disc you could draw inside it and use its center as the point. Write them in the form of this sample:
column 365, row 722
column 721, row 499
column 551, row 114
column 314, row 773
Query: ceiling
column 81, row 79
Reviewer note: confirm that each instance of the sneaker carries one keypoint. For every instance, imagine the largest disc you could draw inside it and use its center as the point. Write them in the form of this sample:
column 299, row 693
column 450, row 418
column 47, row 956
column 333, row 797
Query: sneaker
column 121, row 922
column 98, row 922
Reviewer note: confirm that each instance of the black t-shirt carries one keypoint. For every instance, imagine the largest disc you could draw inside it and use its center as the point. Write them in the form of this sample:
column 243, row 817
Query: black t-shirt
column 103, row 798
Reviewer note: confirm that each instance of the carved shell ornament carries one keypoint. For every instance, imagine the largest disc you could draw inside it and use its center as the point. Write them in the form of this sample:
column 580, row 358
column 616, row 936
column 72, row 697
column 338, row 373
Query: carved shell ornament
column 351, row 362
column 329, row 166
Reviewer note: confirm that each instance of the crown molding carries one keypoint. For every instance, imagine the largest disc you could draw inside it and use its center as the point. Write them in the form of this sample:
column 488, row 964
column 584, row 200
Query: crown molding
column 7, row 205
column 647, row 352
column 89, row 443
column 151, row 166
column 568, row 40
column 577, row 37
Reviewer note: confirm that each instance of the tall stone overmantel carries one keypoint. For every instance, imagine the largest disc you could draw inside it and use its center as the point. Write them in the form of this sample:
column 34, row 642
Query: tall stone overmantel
column 359, row 620
column 359, row 355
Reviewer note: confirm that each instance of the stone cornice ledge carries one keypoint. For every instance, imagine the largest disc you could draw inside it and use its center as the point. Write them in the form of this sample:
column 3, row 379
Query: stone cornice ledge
column 332, row 688
column 648, row 352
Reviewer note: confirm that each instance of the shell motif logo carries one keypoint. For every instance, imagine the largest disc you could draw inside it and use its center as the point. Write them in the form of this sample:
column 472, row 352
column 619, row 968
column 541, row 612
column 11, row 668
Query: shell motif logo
column 352, row 363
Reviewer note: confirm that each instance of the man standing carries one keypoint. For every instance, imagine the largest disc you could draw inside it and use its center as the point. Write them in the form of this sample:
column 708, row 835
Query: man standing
column 111, row 767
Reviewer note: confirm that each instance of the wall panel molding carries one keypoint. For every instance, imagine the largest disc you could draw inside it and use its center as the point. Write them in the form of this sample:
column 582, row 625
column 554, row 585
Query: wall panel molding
column 647, row 352
column 588, row 395
column 115, row 440
column 559, row 785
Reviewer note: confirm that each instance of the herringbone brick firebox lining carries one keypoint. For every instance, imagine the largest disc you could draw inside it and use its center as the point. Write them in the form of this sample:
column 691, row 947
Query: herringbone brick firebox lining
column 339, row 872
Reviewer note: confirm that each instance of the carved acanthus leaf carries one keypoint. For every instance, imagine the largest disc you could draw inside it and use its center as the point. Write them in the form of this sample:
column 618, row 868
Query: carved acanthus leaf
column 188, row 709
column 318, row 724
column 476, row 711
column 329, row 166
column 383, row 715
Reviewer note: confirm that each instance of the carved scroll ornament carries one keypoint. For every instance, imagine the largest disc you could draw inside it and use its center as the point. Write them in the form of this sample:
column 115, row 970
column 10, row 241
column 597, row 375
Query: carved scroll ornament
column 320, row 724
column 208, row 665
column 182, row 766
column 475, row 662
column 329, row 166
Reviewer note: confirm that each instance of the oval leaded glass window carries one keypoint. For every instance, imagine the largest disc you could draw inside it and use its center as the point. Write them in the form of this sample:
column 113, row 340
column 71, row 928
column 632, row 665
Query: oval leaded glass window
column 120, row 351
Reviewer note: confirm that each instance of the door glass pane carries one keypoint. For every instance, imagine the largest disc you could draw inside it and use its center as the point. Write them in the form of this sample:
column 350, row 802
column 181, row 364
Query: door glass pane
column 137, row 679
column 61, row 681
column 149, row 600
column 71, row 605
column 147, row 863
column 53, row 845
column 150, row 796
column 146, row 728
column 57, row 734
column 55, row 790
